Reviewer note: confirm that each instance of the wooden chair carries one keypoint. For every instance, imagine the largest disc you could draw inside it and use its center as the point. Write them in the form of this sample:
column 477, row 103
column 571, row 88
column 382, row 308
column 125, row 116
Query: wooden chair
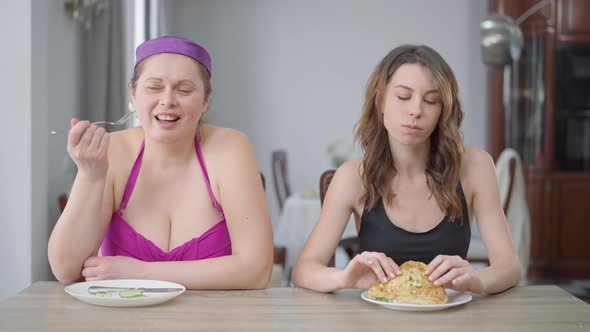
column 62, row 200
column 279, row 174
column 351, row 245
column 279, row 253
column 325, row 180
column 506, row 203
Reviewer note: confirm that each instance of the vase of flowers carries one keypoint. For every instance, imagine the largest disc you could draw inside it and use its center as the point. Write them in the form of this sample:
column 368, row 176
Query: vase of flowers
column 337, row 152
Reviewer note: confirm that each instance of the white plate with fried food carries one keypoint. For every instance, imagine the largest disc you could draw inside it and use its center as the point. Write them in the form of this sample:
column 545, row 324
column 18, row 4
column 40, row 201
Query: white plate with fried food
column 413, row 291
column 454, row 298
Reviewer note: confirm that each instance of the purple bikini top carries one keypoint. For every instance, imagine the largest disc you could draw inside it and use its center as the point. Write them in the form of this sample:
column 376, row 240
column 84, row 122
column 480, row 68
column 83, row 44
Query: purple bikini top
column 121, row 239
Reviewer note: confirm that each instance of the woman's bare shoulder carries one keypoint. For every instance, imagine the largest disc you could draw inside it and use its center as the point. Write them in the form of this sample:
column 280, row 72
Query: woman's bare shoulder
column 476, row 163
column 351, row 169
column 124, row 145
column 218, row 136
column 473, row 158
column 127, row 138
column 346, row 187
column 223, row 143
column 350, row 175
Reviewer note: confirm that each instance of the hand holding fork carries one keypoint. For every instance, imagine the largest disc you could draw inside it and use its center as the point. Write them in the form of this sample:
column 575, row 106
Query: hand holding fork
column 119, row 122
column 88, row 146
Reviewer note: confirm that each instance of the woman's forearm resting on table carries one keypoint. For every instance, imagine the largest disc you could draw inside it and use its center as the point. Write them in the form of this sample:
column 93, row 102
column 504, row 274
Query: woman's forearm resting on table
column 78, row 232
column 318, row 277
column 500, row 276
column 227, row 272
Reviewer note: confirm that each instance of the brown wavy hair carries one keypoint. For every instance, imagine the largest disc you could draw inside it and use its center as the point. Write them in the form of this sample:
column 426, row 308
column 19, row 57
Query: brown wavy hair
column 446, row 143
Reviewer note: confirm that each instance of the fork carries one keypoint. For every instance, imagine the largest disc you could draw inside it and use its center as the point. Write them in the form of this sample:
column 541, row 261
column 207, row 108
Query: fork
column 119, row 122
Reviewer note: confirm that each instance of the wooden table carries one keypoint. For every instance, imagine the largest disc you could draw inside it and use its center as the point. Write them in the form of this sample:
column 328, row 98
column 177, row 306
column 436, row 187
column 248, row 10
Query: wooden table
column 46, row 307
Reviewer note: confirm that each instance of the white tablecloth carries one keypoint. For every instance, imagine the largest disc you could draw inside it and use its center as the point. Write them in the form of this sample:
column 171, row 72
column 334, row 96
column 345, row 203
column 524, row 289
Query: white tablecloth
column 299, row 216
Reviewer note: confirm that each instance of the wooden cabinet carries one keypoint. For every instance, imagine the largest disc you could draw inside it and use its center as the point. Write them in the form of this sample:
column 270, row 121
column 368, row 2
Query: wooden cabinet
column 573, row 23
column 540, row 222
column 571, row 219
column 558, row 198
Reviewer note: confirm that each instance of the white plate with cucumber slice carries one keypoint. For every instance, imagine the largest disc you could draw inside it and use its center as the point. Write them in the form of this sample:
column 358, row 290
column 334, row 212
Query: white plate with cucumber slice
column 125, row 292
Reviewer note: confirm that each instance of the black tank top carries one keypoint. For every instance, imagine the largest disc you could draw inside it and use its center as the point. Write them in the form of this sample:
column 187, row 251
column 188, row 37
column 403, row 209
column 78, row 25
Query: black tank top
column 377, row 233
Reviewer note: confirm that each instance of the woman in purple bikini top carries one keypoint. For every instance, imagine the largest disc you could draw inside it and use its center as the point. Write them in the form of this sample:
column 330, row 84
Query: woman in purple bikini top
column 170, row 90
column 122, row 240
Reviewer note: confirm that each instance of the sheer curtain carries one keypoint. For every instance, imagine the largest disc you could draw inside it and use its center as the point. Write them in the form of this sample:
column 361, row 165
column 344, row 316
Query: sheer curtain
column 104, row 66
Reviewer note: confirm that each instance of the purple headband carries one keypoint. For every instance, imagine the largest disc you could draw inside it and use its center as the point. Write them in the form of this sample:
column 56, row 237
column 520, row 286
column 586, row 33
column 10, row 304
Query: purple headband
column 173, row 45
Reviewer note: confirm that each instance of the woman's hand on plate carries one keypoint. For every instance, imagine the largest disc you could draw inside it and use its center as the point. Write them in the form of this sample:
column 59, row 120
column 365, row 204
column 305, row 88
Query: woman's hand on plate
column 455, row 273
column 367, row 268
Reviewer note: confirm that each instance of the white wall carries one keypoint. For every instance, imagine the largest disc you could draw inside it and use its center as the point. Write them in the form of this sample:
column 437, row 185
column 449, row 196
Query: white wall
column 291, row 74
column 40, row 92
column 60, row 88
column 15, row 147
column 40, row 137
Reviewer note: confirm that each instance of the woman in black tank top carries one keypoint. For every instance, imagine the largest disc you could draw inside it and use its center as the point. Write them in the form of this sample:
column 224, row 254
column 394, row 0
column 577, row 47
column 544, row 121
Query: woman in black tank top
column 414, row 190
column 379, row 234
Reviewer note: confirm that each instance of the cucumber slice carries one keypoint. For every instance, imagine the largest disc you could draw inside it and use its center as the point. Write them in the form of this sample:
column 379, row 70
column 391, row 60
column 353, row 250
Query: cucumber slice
column 131, row 294
column 382, row 299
